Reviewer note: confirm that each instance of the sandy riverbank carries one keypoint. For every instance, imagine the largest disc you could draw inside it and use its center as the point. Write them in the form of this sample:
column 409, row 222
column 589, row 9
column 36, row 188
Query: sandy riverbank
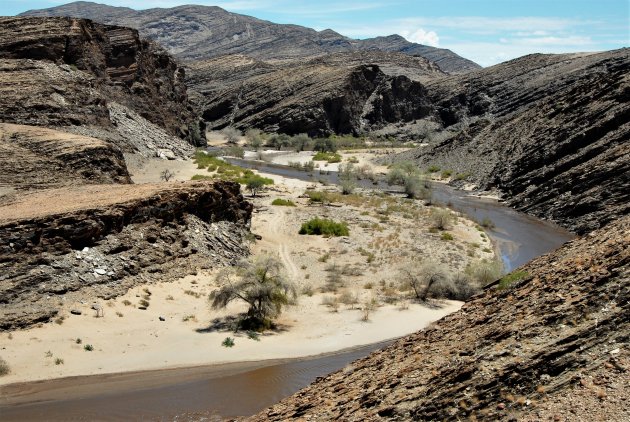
column 131, row 339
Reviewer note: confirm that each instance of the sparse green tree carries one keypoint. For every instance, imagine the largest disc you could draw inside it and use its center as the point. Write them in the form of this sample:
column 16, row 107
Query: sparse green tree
column 300, row 141
column 231, row 134
column 409, row 176
column 254, row 138
column 424, row 279
column 255, row 184
column 260, row 282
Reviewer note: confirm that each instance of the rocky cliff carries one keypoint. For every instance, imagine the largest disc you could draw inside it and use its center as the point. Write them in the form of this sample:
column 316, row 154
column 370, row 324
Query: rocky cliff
column 35, row 158
column 549, row 131
column 97, row 241
column 550, row 345
column 341, row 93
column 66, row 72
column 198, row 32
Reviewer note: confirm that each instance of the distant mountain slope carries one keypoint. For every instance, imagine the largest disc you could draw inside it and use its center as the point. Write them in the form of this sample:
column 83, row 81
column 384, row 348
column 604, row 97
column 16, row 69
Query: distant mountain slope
column 201, row 32
column 552, row 132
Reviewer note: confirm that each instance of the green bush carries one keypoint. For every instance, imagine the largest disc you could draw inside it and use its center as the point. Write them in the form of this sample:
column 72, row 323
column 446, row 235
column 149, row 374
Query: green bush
column 447, row 236
column 433, row 169
column 508, row 280
column 283, row 202
column 88, row 347
column 446, row 174
column 331, row 157
column 228, row 342
column 317, row 226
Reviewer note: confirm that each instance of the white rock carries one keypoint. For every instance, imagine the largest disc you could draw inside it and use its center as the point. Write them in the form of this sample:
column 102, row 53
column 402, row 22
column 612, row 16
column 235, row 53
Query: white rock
column 100, row 271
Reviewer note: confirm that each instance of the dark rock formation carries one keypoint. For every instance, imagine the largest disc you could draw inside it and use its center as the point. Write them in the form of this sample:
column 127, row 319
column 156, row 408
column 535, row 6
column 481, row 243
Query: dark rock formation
column 62, row 72
column 100, row 240
column 551, row 346
column 35, row 157
column 343, row 93
column 199, row 32
column 549, row 131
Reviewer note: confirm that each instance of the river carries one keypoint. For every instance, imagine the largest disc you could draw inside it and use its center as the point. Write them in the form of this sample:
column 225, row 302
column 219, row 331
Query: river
column 240, row 390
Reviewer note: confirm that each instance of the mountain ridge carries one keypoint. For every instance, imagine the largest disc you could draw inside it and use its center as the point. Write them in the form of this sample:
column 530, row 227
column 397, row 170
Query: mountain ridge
column 192, row 32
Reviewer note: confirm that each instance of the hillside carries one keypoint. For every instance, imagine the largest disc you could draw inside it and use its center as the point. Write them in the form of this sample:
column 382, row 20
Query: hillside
column 97, row 80
column 199, row 32
column 549, row 131
column 339, row 93
column 553, row 345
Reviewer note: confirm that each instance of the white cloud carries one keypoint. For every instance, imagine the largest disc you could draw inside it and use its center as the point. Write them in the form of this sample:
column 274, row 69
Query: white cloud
column 421, row 36
column 491, row 24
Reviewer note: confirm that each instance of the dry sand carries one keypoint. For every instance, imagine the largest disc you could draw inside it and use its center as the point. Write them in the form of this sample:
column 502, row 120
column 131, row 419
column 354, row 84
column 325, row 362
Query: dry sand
column 130, row 339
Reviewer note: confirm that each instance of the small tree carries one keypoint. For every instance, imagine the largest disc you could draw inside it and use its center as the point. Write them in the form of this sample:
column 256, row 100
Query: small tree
column 232, row 135
column 484, row 271
column 409, row 176
column 254, row 138
column 424, row 279
column 348, row 178
column 441, row 218
column 259, row 282
column 255, row 184
column 300, row 141
column 166, row 175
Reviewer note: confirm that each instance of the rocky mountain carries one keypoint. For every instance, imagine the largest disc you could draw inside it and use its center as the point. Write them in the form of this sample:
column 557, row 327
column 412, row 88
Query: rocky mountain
column 70, row 73
column 97, row 241
column 199, row 32
column 339, row 93
column 550, row 342
column 551, row 132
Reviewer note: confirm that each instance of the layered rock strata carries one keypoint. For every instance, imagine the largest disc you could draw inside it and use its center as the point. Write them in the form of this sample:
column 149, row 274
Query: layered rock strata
column 97, row 241
column 64, row 71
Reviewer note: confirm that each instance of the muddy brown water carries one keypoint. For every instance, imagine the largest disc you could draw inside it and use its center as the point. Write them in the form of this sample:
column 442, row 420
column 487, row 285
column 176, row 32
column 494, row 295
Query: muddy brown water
column 244, row 389
column 239, row 390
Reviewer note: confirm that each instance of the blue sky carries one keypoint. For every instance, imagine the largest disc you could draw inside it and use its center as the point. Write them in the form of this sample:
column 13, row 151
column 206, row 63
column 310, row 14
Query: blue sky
column 486, row 31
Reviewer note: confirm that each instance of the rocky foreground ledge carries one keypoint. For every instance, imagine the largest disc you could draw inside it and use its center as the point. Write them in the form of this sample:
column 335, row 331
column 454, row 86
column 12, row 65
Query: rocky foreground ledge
column 549, row 343
column 65, row 245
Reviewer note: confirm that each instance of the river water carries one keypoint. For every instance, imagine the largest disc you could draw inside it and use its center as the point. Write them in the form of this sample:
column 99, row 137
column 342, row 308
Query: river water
column 242, row 392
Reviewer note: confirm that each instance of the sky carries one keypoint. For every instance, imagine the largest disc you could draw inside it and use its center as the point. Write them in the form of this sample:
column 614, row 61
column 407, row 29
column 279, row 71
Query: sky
column 485, row 31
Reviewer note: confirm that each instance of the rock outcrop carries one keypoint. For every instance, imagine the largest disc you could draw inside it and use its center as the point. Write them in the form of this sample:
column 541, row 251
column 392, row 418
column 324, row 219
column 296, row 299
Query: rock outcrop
column 198, row 32
column 342, row 93
column 35, row 158
column 549, row 131
column 78, row 243
column 552, row 345
column 64, row 72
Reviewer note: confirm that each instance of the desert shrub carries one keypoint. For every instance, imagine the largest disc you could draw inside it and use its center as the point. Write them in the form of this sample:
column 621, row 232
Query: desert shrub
column 234, row 151
column 446, row 174
column 484, row 271
column 254, row 138
column 433, row 169
column 323, row 226
column 462, row 176
column 144, row 302
column 261, row 283
column 58, row 361
column 406, row 174
column 487, row 223
column 441, row 218
column 367, row 308
column 349, row 299
column 447, row 236
column 333, row 280
column 4, row 367
column 507, row 280
column 231, row 134
column 253, row 335
column 330, row 157
column 308, row 290
column 300, row 142
column 325, row 145
column 353, row 160
column 166, row 175
column 283, row 202
column 78, row 341
column 317, row 196
column 187, row 318
column 255, row 183
column 422, row 280
column 348, row 178
column 228, row 342
column 88, row 347
column 324, row 258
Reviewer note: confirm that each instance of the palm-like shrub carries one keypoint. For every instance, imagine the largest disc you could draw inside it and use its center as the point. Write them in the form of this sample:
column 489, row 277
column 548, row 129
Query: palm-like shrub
column 261, row 283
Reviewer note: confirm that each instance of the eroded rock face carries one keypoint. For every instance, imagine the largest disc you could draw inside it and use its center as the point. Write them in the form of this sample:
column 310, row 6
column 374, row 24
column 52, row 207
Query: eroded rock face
column 338, row 94
column 549, row 131
column 198, row 32
column 552, row 346
column 82, row 242
column 36, row 157
column 63, row 71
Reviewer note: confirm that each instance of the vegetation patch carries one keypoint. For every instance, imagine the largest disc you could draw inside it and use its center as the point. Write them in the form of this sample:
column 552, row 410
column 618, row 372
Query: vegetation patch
column 511, row 278
column 331, row 157
column 283, row 202
column 326, row 227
